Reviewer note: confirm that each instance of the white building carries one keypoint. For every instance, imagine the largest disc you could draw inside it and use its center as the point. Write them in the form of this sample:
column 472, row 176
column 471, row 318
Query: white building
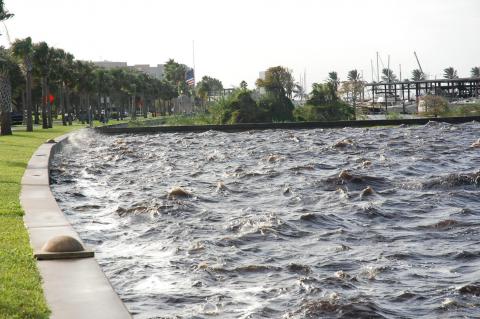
column 154, row 71
column 110, row 64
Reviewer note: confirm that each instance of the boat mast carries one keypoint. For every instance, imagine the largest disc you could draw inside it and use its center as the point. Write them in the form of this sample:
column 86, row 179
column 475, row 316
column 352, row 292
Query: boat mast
column 371, row 67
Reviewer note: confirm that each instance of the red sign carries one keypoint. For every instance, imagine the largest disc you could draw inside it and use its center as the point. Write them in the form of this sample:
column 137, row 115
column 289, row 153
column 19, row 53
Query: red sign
column 51, row 98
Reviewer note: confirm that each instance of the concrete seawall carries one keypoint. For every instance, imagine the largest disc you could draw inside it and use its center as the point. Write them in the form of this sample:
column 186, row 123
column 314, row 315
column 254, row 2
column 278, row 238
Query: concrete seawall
column 74, row 288
column 288, row 125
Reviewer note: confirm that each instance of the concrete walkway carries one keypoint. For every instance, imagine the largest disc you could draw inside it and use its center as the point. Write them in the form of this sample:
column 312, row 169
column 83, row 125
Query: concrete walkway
column 74, row 288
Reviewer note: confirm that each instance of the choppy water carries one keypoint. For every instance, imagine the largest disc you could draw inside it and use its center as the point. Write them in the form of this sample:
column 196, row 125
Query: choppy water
column 271, row 230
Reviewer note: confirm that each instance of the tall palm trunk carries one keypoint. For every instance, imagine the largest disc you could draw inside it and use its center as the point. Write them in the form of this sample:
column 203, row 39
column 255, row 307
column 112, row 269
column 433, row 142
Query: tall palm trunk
column 37, row 115
column 61, row 98
column 87, row 107
column 49, row 109
column 28, row 100
column 120, row 107
column 5, row 104
column 69, row 111
column 44, row 102
column 24, row 107
column 134, row 108
column 83, row 102
column 145, row 107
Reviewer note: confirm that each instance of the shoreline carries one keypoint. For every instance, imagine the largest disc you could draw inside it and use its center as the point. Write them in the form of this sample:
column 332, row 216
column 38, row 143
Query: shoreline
column 123, row 129
column 73, row 287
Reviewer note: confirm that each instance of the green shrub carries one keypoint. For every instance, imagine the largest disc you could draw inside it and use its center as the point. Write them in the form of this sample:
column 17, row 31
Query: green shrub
column 239, row 107
column 335, row 111
column 276, row 108
column 472, row 109
column 197, row 119
column 393, row 116
column 435, row 105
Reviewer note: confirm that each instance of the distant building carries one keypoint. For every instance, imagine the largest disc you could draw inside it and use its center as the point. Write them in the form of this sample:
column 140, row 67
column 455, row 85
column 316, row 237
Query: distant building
column 154, row 71
column 262, row 76
column 110, row 64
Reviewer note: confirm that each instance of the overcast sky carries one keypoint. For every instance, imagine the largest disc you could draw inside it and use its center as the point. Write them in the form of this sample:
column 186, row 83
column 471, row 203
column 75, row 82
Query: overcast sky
column 236, row 39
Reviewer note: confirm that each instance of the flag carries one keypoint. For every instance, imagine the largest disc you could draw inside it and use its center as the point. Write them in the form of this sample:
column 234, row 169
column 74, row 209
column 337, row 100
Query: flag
column 190, row 77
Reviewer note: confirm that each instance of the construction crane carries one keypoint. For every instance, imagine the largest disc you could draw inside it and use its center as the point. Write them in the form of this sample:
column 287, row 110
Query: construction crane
column 416, row 57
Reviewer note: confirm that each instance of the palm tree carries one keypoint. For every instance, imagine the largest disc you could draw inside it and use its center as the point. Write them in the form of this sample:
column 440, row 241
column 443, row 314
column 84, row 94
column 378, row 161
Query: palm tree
column 57, row 76
column 5, row 85
column 355, row 86
column 388, row 76
column 4, row 14
column 70, row 81
column 202, row 91
column 130, row 88
column 475, row 72
column 166, row 94
column 450, row 73
column 418, row 75
column 54, row 57
column 333, row 79
column 85, row 85
column 103, row 84
column 41, row 58
column 175, row 74
column 118, row 86
column 244, row 85
column 353, row 75
column 23, row 49
column 143, row 90
column 7, row 65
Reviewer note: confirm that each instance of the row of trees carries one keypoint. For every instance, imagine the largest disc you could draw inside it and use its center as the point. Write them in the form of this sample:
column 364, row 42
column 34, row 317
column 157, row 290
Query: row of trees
column 326, row 102
column 417, row 75
column 40, row 79
column 36, row 76
column 6, row 66
column 272, row 102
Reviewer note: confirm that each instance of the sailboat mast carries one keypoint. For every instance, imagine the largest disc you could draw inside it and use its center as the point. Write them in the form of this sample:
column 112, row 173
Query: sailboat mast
column 305, row 80
column 371, row 67
column 388, row 68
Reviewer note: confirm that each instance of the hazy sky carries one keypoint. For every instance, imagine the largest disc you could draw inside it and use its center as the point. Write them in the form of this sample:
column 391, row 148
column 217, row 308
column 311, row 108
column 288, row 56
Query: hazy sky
column 235, row 39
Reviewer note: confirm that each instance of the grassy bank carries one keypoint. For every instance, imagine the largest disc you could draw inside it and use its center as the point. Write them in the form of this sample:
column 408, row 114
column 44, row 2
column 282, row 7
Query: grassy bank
column 472, row 109
column 198, row 119
column 174, row 120
column 21, row 293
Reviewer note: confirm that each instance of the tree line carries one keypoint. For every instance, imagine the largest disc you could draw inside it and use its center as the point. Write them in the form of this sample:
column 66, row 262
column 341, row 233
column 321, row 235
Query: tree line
column 273, row 99
column 331, row 100
column 450, row 73
column 43, row 82
column 46, row 81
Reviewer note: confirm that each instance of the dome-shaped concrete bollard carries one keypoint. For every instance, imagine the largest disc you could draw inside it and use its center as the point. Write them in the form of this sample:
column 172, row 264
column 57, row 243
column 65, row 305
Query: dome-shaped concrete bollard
column 62, row 244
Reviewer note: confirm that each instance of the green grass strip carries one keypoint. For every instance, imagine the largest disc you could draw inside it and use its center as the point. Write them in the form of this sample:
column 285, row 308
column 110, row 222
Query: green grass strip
column 21, row 294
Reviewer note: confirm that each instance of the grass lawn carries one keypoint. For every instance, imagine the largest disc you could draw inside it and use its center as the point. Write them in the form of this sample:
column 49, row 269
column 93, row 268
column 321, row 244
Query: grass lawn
column 21, row 294
column 174, row 120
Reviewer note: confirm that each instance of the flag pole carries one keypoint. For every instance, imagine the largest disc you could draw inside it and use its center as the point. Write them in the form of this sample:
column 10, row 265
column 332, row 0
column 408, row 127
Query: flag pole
column 193, row 53
column 193, row 58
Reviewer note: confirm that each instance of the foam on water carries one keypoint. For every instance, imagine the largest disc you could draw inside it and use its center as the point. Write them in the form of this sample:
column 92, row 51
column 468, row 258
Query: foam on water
column 277, row 224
